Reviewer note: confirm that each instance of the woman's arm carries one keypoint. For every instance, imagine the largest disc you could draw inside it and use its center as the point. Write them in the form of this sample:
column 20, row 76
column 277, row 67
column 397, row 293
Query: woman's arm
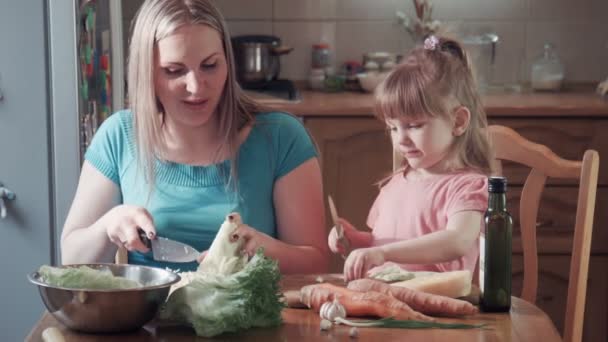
column 96, row 223
column 84, row 238
column 300, row 215
column 462, row 230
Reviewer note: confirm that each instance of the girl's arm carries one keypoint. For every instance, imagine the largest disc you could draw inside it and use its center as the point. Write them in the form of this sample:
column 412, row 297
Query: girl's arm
column 300, row 215
column 446, row 245
column 455, row 241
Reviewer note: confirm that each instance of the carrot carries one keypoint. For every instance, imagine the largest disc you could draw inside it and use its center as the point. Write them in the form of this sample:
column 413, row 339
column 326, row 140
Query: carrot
column 369, row 303
column 426, row 303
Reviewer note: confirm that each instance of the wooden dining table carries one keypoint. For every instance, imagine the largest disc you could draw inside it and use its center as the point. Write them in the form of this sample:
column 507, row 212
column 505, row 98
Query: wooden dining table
column 525, row 322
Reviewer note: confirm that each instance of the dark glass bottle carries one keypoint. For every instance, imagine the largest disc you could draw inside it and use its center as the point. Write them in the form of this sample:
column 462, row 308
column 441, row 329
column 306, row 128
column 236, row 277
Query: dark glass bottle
column 495, row 250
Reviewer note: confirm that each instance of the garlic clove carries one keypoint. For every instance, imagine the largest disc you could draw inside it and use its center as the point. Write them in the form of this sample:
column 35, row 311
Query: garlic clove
column 332, row 310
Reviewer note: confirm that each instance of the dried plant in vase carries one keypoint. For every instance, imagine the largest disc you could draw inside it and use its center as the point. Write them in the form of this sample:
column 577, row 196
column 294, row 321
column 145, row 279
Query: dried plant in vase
column 422, row 25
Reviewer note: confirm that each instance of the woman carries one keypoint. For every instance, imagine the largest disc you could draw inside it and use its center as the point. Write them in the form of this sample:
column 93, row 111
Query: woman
column 192, row 149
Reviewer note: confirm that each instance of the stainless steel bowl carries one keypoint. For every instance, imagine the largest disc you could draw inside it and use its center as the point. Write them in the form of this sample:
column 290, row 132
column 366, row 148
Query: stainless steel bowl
column 108, row 311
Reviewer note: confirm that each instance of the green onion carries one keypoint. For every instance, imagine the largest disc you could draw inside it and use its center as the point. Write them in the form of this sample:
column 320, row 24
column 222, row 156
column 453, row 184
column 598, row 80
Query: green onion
column 395, row 323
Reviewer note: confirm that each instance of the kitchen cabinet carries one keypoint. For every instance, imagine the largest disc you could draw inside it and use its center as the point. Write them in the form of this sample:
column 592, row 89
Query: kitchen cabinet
column 356, row 153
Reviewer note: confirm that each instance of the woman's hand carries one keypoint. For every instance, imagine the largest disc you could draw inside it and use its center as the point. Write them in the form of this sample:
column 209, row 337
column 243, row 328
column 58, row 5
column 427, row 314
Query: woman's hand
column 122, row 223
column 333, row 241
column 360, row 261
column 252, row 239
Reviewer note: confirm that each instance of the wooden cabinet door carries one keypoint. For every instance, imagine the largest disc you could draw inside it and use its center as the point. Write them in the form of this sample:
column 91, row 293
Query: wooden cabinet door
column 556, row 216
column 355, row 154
column 553, row 289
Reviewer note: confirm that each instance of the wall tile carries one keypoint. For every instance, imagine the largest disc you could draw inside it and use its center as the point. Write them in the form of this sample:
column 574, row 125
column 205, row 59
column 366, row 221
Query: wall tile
column 354, row 27
column 371, row 10
column 355, row 38
column 130, row 7
column 566, row 11
column 480, row 9
column 305, row 9
column 240, row 27
column 301, row 36
column 599, row 8
column 509, row 50
column 581, row 59
column 245, row 9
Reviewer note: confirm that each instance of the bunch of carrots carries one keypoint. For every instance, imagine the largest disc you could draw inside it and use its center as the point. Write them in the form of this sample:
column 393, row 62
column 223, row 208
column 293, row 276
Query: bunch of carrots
column 368, row 297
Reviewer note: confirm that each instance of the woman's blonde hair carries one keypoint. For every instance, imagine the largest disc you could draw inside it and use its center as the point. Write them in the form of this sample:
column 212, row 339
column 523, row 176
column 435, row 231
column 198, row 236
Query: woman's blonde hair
column 155, row 20
column 431, row 81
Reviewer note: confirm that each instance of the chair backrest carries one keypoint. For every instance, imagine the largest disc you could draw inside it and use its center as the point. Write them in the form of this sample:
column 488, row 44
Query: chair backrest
column 543, row 163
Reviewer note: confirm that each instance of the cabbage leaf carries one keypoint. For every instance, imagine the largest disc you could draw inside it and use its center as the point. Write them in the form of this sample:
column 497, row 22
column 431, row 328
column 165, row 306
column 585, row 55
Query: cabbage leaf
column 85, row 277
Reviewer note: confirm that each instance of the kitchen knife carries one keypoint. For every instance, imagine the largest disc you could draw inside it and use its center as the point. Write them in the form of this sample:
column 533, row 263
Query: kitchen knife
column 339, row 229
column 168, row 250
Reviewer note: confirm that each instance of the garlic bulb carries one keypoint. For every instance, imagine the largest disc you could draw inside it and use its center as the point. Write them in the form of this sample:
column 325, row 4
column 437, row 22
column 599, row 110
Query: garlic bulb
column 332, row 310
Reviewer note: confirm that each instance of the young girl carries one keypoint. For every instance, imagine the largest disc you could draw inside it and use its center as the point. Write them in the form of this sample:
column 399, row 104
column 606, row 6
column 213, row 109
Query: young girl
column 429, row 214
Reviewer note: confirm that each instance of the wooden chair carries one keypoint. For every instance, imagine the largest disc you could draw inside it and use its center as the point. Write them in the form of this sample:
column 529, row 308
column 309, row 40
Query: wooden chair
column 510, row 146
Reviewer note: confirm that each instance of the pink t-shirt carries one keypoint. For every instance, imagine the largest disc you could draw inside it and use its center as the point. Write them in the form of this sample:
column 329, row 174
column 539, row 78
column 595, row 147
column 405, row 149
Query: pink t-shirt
column 407, row 209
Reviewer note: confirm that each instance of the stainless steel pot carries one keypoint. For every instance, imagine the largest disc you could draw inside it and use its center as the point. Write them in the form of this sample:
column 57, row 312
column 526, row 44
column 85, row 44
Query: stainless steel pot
column 257, row 58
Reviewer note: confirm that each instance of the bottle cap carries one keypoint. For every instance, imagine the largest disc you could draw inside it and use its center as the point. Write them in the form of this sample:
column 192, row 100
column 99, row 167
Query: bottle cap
column 497, row 184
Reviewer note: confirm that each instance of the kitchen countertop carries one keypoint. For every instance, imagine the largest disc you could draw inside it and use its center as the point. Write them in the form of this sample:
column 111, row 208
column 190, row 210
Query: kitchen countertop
column 579, row 102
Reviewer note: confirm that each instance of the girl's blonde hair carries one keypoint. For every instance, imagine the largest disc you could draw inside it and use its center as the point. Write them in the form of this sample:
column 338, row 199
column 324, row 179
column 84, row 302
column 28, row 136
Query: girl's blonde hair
column 155, row 20
column 431, row 81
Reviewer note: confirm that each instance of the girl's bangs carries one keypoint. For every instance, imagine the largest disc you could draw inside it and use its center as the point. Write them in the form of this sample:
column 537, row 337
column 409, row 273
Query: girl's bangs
column 405, row 93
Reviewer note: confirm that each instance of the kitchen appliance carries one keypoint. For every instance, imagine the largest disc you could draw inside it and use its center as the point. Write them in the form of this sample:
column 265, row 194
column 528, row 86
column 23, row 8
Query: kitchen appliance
column 257, row 61
column 168, row 250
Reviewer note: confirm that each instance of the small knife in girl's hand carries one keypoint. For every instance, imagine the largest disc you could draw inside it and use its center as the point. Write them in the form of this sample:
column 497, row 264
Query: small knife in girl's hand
column 342, row 240
column 168, row 250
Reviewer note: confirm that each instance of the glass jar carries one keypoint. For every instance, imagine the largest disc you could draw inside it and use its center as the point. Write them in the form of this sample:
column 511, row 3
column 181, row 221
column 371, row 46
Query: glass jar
column 321, row 56
column 547, row 70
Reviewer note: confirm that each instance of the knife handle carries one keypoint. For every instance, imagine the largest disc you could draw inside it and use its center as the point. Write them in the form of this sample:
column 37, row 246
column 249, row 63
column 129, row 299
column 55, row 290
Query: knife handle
column 144, row 238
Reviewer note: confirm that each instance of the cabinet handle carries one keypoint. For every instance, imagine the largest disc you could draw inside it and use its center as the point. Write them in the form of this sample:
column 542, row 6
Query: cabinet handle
column 546, row 298
column 5, row 194
column 544, row 223
column 1, row 96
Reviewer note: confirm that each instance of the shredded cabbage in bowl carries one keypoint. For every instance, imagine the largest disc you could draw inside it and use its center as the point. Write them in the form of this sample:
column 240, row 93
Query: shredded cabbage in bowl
column 85, row 277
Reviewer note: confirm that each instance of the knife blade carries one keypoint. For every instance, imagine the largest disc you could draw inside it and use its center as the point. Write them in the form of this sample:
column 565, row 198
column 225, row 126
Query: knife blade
column 339, row 229
column 167, row 250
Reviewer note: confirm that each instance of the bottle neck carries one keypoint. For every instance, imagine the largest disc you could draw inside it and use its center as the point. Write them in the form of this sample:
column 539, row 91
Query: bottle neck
column 497, row 201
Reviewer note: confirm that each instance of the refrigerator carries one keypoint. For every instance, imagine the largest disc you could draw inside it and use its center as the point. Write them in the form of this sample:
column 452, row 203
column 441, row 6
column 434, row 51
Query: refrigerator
column 100, row 64
column 58, row 65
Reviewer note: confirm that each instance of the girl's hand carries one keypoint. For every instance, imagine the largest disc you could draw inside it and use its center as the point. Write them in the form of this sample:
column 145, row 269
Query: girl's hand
column 122, row 222
column 333, row 241
column 360, row 261
column 252, row 239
